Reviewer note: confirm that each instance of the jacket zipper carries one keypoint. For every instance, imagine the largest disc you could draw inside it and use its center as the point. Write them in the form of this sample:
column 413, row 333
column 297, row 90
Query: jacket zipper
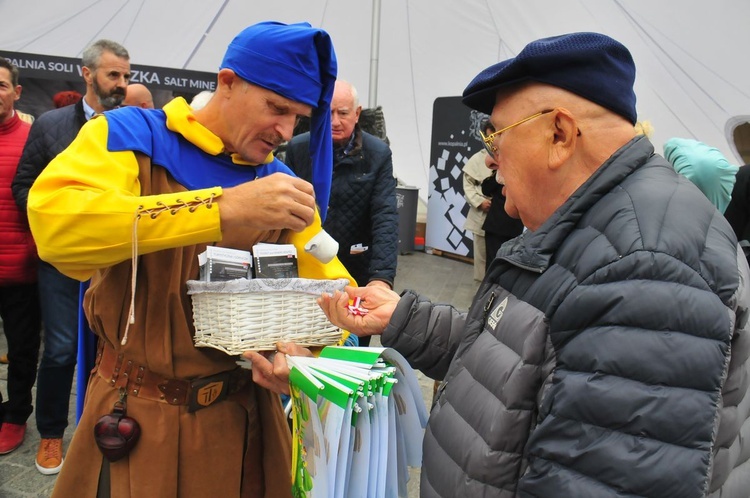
column 444, row 383
column 488, row 306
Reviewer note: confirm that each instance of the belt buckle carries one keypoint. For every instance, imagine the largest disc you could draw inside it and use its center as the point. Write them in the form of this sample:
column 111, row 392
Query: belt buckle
column 206, row 391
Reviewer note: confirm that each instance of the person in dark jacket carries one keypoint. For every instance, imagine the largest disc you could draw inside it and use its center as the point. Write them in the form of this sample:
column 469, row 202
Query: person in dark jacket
column 738, row 210
column 607, row 349
column 498, row 227
column 106, row 71
column 362, row 214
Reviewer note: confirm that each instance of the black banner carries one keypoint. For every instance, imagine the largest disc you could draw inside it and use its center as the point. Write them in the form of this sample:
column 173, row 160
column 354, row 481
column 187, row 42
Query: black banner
column 455, row 138
column 51, row 67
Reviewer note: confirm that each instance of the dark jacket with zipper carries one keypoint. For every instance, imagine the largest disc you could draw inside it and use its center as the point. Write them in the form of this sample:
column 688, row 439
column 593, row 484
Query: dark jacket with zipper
column 50, row 134
column 605, row 353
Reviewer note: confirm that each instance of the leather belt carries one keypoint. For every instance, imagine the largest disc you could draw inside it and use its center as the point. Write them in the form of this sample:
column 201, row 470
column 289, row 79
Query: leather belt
column 122, row 373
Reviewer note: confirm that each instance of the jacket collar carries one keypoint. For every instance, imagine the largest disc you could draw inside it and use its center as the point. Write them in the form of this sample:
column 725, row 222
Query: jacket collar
column 352, row 148
column 534, row 250
column 80, row 113
column 12, row 123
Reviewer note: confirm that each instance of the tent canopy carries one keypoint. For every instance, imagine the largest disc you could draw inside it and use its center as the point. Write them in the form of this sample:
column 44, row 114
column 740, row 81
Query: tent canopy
column 691, row 80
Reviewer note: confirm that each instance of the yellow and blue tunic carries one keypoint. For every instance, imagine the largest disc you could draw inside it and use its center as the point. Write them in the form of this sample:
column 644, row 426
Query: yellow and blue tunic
column 82, row 210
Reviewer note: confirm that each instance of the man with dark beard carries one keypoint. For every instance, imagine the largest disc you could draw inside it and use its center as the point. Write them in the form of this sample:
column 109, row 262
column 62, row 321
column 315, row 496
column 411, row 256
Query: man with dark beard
column 106, row 71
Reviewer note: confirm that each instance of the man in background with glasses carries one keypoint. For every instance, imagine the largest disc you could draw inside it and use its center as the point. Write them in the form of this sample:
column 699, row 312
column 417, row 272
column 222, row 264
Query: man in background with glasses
column 606, row 353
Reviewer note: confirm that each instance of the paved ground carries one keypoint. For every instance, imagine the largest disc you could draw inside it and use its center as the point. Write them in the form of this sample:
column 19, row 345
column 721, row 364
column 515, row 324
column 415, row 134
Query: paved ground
column 443, row 279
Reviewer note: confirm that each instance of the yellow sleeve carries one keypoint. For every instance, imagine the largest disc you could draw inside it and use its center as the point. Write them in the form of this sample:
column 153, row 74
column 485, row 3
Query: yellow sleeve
column 82, row 209
column 310, row 266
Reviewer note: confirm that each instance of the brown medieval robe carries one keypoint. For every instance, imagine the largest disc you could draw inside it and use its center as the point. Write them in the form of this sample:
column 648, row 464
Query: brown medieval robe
column 239, row 447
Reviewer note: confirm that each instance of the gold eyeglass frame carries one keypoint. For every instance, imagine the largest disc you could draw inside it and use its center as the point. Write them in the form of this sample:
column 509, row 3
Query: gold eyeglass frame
column 489, row 140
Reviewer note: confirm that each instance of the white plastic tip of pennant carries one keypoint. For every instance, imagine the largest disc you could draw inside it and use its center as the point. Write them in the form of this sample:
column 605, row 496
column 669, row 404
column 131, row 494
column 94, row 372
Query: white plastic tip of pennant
column 245, row 363
column 322, row 246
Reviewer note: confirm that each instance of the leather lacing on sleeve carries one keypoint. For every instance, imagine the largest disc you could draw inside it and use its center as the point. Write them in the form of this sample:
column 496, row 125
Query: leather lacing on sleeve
column 160, row 208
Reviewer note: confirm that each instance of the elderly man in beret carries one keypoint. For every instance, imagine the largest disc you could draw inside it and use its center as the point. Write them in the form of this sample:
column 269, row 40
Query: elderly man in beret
column 606, row 353
column 130, row 204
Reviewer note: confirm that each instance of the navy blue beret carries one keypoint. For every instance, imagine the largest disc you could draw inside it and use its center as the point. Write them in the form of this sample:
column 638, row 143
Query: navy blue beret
column 591, row 65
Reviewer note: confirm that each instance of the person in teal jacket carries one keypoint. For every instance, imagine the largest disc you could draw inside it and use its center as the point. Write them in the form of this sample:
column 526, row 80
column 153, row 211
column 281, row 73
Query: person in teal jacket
column 705, row 166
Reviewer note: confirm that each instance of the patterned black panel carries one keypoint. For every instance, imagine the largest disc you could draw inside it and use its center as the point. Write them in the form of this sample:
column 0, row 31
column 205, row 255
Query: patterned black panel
column 455, row 138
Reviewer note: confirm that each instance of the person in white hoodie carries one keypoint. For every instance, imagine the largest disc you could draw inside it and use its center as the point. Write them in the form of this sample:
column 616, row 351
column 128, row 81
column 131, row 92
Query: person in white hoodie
column 474, row 172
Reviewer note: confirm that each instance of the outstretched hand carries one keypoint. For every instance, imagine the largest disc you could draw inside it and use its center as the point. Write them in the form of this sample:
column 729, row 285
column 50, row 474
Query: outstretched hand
column 270, row 369
column 378, row 301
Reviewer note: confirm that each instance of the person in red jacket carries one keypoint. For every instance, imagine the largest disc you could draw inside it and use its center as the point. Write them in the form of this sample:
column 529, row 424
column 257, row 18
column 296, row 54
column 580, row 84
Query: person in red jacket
column 19, row 296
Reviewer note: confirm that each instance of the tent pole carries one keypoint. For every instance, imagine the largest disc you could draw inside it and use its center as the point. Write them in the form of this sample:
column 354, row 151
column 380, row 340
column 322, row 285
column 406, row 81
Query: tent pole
column 374, row 50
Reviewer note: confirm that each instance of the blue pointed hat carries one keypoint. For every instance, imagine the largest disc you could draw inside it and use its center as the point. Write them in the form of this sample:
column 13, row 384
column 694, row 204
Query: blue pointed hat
column 296, row 61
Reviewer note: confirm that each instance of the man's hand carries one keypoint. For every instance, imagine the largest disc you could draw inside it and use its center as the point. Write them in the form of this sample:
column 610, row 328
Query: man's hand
column 485, row 205
column 378, row 301
column 270, row 369
column 274, row 202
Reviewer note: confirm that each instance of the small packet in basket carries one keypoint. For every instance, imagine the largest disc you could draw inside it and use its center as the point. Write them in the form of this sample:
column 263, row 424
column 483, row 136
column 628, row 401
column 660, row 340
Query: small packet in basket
column 275, row 261
column 219, row 264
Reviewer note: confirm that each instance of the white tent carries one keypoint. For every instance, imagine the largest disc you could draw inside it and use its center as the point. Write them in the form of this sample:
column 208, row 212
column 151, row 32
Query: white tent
column 693, row 80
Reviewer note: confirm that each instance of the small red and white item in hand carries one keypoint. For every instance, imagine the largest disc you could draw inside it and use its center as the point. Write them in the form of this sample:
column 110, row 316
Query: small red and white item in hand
column 356, row 308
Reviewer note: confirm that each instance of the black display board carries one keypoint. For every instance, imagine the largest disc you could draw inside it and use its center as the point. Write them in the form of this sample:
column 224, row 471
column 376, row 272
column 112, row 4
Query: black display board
column 455, row 138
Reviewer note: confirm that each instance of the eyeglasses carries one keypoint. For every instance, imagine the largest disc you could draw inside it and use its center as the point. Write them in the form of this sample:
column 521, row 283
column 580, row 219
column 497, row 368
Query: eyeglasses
column 489, row 140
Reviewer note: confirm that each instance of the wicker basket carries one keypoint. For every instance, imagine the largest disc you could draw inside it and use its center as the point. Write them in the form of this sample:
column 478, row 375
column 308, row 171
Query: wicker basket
column 243, row 315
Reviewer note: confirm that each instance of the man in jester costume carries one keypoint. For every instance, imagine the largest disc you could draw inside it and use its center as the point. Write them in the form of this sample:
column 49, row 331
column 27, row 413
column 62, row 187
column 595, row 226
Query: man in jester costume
column 130, row 204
